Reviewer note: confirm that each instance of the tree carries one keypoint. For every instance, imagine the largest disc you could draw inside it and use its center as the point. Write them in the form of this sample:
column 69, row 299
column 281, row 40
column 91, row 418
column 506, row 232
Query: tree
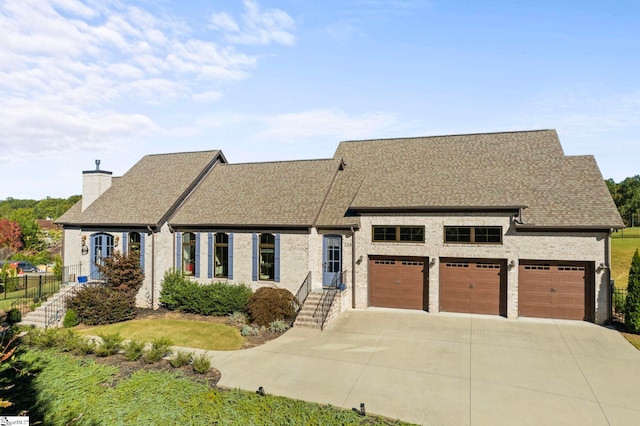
column 26, row 218
column 626, row 195
column 632, row 305
column 10, row 235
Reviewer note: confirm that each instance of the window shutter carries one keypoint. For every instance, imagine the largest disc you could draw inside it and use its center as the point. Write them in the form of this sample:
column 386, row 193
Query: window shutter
column 230, row 251
column 178, row 251
column 276, row 259
column 142, row 235
column 210, row 256
column 254, row 260
column 125, row 240
column 197, row 271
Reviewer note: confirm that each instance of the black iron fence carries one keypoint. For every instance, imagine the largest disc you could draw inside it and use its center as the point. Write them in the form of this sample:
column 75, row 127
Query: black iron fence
column 618, row 300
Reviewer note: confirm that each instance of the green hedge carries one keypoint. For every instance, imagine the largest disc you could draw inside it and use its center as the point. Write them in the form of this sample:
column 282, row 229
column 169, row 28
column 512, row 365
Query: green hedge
column 180, row 293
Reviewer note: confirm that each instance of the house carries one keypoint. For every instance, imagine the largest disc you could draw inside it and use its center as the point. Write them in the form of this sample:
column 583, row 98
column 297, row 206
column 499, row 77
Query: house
column 498, row 223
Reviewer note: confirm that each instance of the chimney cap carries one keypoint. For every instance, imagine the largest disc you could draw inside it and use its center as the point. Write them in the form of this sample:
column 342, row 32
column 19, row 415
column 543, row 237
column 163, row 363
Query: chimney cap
column 97, row 164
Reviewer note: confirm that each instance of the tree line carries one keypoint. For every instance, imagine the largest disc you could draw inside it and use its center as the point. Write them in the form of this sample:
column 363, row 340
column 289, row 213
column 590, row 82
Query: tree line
column 21, row 237
column 626, row 195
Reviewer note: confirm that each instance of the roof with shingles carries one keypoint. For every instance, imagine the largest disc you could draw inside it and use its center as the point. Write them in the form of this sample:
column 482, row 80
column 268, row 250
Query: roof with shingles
column 151, row 189
column 491, row 170
column 511, row 170
column 288, row 193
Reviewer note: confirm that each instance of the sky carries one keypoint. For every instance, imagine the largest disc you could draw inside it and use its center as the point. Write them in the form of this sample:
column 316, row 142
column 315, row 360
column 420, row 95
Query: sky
column 266, row 80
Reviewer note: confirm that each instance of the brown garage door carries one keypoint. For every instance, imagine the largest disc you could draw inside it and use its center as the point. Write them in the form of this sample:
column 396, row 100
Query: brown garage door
column 472, row 286
column 398, row 282
column 553, row 290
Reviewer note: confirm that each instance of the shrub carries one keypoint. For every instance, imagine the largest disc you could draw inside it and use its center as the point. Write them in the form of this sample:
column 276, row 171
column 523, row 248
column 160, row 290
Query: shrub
column 14, row 315
column 70, row 319
column 159, row 349
column 237, row 319
column 67, row 340
column 133, row 349
column 248, row 330
column 201, row 363
column 269, row 304
column 85, row 346
column 180, row 293
column 632, row 306
column 278, row 326
column 122, row 272
column 98, row 305
column 181, row 358
column 110, row 344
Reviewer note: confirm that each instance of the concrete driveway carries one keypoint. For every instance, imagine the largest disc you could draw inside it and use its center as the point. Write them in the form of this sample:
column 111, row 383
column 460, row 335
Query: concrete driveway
column 448, row 369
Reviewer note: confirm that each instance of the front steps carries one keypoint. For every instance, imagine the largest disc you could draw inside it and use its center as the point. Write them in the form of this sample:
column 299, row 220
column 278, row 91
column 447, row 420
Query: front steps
column 305, row 318
column 38, row 317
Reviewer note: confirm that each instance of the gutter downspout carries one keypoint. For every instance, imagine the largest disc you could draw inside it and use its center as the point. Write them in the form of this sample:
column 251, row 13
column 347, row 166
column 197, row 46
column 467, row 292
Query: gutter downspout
column 153, row 266
column 607, row 263
column 353, row 268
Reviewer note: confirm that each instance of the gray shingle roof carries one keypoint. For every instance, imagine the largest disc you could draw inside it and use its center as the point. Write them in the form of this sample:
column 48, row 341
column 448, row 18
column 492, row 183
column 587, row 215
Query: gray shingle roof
column 288, row 193
column 148, row 191
column 489, row 170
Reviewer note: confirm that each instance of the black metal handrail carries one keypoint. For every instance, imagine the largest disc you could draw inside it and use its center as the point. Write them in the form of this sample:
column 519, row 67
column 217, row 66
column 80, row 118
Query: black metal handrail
column 303, row 292
column 326, row 301
column 57, row 308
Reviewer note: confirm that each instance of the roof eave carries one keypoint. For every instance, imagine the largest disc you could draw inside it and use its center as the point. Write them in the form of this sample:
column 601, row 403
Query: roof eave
column 439, row 209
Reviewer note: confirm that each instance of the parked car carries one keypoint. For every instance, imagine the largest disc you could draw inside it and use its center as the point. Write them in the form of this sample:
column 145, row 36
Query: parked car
column 20, row 266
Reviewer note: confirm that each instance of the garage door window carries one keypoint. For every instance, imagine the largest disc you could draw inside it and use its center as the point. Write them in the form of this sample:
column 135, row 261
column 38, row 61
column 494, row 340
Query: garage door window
column 404, row 234
column 473, row 234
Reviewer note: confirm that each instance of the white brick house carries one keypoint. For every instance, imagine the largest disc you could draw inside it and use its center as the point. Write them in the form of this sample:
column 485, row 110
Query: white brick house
column 498, row 224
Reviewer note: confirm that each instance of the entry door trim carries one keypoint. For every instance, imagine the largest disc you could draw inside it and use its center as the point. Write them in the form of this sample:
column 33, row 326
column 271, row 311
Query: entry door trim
column 331, row 258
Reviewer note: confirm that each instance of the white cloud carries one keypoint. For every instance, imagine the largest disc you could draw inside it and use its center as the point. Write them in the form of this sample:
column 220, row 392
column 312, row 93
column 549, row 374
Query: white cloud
column 258, row 27
column 67, row 65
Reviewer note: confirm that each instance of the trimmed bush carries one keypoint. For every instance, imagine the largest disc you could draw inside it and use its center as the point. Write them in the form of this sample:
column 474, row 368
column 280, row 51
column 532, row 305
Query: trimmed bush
column 201, row 363
column 133, row 350
column 269, row 304
column 160, row 348
column 278, row 326
column 70, row 319
column 632, row 305
column 99, row 305
column 14, row 315
column 180, row 293
column 181, row 358
column 110, row 344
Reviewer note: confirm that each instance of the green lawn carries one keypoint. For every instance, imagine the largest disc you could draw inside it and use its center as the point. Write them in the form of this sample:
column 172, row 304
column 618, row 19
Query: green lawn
column 622, row 250
column 192, row 334
column 59, row 389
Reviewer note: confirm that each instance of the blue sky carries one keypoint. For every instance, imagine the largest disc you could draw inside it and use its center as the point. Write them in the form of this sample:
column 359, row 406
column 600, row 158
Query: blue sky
column 270, row 80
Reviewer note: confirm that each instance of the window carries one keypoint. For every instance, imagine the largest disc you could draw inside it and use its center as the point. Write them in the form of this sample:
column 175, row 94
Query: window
column 221, row 255
column 134, row 242
column 267, row 257
column 473, row 234
column 413, row 234
column 188, row 253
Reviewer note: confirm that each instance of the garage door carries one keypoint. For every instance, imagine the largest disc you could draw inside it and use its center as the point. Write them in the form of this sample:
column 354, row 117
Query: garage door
column 398, row 282
column 552, row 290
column 472, row 286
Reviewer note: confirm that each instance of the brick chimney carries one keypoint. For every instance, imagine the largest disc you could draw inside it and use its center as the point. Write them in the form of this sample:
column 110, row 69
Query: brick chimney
column 94, row 183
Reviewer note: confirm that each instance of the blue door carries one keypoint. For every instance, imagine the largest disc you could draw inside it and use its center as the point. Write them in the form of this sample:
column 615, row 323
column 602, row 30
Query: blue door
column 331, row 259
column 101, row 248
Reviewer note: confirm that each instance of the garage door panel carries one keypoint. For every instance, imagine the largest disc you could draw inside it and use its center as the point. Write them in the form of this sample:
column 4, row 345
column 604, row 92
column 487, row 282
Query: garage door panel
column 397, row 283
column 470, row 287
column 552, row 290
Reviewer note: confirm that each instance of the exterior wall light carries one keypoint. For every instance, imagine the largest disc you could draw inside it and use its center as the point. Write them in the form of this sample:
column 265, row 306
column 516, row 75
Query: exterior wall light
column 512, row 264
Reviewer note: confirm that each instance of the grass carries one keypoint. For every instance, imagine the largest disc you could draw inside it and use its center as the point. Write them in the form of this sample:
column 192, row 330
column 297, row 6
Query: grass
column 59, row 389
column 622, row 250
column 634, row 339
column 192, row 334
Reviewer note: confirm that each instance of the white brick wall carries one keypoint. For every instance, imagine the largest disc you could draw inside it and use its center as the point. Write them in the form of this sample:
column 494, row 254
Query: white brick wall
column 531, row 246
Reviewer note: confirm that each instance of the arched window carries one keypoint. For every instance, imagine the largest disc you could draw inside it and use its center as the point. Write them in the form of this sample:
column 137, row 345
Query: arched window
column 188, row 253
column 221, row 252
column 267, row 257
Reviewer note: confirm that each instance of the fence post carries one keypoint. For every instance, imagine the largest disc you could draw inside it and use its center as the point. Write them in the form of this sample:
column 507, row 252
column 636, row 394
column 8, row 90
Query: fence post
column 39, row 287
column 26, row 285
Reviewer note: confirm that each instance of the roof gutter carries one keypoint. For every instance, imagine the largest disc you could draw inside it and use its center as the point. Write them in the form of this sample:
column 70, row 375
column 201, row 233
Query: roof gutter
column 438, row 209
